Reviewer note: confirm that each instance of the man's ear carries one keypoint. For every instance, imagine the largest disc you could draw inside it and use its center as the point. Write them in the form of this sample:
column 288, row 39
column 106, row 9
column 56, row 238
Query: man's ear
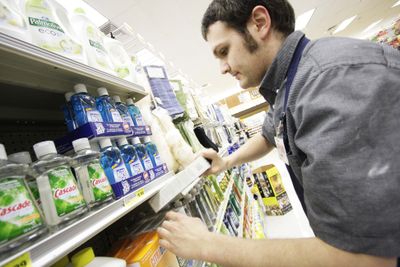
column 259, row 22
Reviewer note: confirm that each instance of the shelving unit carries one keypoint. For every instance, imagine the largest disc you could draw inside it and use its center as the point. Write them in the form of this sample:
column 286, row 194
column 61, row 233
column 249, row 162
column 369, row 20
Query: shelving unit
column 24, row 64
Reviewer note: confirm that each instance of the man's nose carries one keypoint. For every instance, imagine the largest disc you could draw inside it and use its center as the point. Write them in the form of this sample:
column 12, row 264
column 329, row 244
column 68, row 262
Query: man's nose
column 224, row 66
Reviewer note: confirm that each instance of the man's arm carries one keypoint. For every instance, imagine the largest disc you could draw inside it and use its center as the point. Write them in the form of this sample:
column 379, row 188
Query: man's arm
column 253, row 149
column 189, row 238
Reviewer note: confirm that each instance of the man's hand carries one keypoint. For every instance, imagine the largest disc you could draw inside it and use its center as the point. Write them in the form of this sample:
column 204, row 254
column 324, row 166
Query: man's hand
column 184, row 236
column 218, row 164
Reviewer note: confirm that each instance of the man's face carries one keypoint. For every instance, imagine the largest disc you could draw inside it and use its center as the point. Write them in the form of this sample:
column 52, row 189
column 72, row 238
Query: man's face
column 247, row 65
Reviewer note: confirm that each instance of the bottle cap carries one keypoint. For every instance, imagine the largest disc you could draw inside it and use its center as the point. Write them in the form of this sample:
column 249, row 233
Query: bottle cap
column 102, row 91
column 83, row 257
column 68, row 96
column 117, row 99
column 80, row 88
column 136, row 140
column 81, row 144
column 146, row 139
column 21, row 157
column 122, row 141
column 3, row 154
column 44, row 148
column 129, row 101
column 106, row 142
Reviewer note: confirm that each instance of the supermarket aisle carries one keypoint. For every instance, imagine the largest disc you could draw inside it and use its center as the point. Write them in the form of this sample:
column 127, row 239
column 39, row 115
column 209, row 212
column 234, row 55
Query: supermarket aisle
column 295, row 223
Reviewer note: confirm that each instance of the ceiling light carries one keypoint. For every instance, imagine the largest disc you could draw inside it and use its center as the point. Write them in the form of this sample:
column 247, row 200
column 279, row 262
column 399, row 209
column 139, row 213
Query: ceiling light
column 370, row 27
column 303, row 19
column 396, row 4
column 344, row 24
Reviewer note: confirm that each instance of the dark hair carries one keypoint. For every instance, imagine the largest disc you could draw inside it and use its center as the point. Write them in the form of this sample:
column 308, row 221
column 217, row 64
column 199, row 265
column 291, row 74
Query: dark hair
column 236, row 13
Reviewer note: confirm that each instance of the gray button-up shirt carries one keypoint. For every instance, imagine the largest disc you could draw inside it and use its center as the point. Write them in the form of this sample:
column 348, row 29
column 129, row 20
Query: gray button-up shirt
column 343, row 125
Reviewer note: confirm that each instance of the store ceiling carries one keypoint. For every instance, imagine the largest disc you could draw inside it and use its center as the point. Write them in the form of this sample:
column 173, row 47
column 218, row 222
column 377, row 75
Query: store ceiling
column 173, row 28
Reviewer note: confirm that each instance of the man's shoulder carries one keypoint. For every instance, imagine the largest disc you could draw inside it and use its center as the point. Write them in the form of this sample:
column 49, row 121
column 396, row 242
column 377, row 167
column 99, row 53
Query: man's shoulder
column 336, row 51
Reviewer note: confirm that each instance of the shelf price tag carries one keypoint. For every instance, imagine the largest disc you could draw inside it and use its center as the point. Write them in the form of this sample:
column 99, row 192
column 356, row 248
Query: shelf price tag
column 134, row 197
column 22, row 261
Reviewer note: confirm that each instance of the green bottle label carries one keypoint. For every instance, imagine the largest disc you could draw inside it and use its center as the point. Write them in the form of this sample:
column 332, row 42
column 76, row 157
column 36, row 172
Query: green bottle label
column 66, row 195
column 45, row 24
column 99, row 182
column 35, row 190
column 18, row 214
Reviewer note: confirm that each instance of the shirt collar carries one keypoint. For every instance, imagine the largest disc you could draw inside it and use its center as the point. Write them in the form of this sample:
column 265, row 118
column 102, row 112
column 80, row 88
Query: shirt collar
column 277, row 72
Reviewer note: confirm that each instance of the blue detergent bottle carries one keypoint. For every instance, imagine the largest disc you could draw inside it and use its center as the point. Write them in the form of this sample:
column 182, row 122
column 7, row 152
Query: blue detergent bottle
column 84, row 106
column 142, row 153
column 152, row 151
column 135, row 113
column 68, row 112
column 112, row 162
column 106, row 108
column 131, row 158
column 123, row 111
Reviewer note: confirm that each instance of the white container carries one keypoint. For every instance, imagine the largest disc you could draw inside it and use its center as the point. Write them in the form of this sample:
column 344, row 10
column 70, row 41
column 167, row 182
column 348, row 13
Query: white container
column 59, row 193
column 47, row 30
column 86, row 258
column 123, row 65
column 92, row 40
column 12, row 21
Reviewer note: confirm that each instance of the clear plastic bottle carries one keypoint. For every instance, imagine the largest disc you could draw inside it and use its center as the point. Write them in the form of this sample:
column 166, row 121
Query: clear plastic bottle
column 20, row 218
column 68, row 112
column 123, row 111
column 25, row 158
column 135, row 113
column 130, row 157
column 93, row 181
column 107, row 109
column 112, row 162
column 59, row 193
column 142, row 153
column 84, row 106
column 152, row 151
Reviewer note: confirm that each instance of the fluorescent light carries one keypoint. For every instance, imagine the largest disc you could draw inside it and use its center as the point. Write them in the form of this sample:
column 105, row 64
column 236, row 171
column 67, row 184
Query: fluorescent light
column 303, row 19
column 344, row 24
column 370, row 27
column 396, row 4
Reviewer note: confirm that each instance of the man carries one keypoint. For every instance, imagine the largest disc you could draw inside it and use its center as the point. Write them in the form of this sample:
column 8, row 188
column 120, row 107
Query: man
column 334, row 109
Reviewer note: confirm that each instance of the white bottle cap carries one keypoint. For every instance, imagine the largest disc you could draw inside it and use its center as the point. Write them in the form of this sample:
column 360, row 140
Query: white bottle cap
column 136, row 140
column 81, row 144
column 117, row 99
column 3, row 154
column 146, row 139
column 68, row 96
column 122, row 141
column 102, row 91
column 106, row 142
column 21, row 157
column 129, row 101
column 44, row 148
column 80, row 88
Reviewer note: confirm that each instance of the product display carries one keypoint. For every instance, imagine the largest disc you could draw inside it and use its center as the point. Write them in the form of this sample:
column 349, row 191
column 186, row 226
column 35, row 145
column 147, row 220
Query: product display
column 106, row 107
column 135, row 113
column 60, row 195
column 123, row 111
column 84, row 106
column 143, row 154
column 130, row 156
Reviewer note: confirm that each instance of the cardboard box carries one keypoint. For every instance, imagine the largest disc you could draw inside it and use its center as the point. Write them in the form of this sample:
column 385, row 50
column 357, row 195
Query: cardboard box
column 269, row 183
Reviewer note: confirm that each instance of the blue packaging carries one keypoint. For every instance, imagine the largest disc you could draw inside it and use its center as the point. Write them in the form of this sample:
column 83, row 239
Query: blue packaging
column 68, row 112
column 107, row 109
column 123, row 111
column 142, row 153
column 130, row 157
column 84, row 106
column 135, row 113
column 152, row 151
column 112, row 162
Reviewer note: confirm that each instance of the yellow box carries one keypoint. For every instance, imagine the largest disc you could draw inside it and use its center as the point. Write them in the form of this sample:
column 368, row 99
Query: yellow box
column 269, row 183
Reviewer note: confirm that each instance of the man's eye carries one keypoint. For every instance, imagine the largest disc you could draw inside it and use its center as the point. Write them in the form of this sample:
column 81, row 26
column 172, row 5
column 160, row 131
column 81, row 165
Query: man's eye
column 223, row 52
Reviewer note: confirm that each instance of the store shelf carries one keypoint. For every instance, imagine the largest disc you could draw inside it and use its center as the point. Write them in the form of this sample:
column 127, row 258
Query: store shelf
column 182, row 180
column 27, row 65
column 224, row 204
column 49, row 249
column 242, row 202
column 249, row 107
